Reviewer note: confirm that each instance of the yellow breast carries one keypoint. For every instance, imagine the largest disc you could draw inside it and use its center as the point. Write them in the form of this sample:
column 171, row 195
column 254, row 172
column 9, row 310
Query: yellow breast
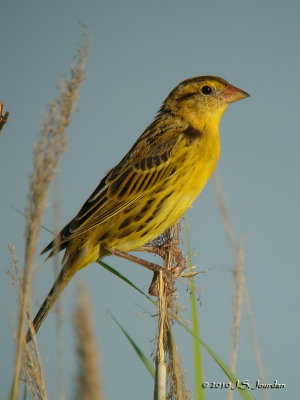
column 196, row 160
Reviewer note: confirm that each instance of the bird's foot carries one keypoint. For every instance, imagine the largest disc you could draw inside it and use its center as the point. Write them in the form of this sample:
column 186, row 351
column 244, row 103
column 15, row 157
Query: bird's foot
column 174, row 264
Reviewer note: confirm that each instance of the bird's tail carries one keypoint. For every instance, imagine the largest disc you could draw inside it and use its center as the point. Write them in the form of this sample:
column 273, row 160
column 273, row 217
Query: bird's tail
column 60, row 284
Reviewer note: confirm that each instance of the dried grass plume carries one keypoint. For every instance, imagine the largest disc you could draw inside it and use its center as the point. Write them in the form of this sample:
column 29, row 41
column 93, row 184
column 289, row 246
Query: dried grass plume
column 47, row 154
column 88, row 380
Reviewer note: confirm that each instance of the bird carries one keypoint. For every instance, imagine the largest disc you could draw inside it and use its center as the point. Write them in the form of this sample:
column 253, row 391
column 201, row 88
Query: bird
column 152, row 186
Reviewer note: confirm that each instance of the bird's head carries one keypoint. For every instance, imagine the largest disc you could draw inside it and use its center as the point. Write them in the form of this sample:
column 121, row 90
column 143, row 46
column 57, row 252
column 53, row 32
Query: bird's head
column 202, row 100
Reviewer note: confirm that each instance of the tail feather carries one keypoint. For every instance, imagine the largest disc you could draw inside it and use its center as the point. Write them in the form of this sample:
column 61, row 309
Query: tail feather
column 74, row 259
column 54, row 247
column 60, row 284
column 60, row 242
column 48, row 247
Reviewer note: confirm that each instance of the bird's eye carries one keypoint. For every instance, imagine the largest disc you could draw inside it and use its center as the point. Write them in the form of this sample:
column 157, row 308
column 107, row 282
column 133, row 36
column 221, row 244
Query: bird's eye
column 206, row 90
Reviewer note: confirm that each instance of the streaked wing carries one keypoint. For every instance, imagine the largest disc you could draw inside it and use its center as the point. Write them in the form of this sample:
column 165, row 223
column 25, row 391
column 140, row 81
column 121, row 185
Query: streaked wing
column 146, row 166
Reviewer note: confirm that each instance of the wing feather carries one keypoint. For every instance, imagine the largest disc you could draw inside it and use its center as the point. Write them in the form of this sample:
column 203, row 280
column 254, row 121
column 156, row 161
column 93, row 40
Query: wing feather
column 146, row 166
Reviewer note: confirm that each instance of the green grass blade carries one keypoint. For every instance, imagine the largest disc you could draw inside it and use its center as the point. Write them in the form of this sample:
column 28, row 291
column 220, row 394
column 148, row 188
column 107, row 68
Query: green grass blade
column 198, row 365
column 138, row 351
column 25, row 393
column 119, row 275
column 245, row 394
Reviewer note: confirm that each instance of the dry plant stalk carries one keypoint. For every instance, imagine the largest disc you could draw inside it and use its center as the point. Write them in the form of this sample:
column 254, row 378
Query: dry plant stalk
column 160, row 382
column 88, row 382
column 240, row 295
column 258, row 357
column 3, row 118
column 166, row 347
column 58, row 307
column 238, row 300
column 47, row 154
column 32, row 366
column 238, row 256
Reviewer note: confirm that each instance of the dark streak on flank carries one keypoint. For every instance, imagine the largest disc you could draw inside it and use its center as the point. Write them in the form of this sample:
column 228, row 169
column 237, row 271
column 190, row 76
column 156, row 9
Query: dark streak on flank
column 140, row 228
column 146, row 232
column 155, row 212
column 149, row 219
column 158, row 190
column 125, row 223
column 162, row 222
column 137, row 218
column 181, row 159
column 141, row 213
column 159, row 205
column 147, row 206
column 103, row 237
column 125, row 233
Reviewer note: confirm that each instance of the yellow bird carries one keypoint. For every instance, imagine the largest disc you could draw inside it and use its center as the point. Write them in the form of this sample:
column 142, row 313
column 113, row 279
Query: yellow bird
column 152, row 186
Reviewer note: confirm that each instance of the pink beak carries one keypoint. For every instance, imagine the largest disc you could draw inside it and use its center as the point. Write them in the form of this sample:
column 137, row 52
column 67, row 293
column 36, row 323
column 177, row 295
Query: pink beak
column 232, row 93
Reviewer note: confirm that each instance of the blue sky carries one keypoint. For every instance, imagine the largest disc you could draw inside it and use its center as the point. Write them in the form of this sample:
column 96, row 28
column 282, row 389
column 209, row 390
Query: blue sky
column 139, row 51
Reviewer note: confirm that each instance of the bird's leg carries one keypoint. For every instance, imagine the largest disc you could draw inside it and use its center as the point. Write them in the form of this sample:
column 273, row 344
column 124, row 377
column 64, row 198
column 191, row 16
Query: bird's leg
column 153, row 289
column 167, row 249
column 169, row 252
column 173, row 264
column 147, row 264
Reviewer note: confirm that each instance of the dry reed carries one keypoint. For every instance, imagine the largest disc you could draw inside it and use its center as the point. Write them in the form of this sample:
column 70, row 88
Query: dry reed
column 240, row 293
column 88, row 382
column 58, row 307
column 46, row 157
column 168, row 368
column 31, row 360
column 259, row 362
column 3, row 118
column 238, row 256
